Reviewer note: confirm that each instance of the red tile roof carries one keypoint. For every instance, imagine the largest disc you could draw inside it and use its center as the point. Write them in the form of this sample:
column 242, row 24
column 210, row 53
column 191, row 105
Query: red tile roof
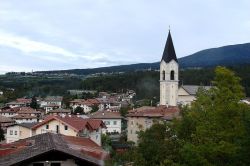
column 24, row 116
column 28, row 110
column 88, row 102
column 164, row 112
column 106, row 115
column 75, row 122
column 22, row 150
column 23, row 100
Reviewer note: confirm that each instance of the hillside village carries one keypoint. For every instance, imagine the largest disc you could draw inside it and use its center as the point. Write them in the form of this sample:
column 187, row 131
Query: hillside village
column 47, row 130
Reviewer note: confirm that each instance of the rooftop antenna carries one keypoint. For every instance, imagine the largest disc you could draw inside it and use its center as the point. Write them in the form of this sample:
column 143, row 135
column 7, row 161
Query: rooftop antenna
column 168, row 27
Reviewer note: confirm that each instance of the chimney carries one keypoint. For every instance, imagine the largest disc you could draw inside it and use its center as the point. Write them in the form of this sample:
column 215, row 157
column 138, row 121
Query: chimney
column 102, row 113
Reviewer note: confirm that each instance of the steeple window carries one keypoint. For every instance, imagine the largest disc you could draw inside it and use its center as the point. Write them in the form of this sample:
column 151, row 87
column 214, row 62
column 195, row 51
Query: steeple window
column 172, row 75
column 163, row 75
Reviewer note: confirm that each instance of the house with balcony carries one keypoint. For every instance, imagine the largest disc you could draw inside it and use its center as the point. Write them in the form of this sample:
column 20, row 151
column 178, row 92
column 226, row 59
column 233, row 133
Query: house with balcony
column 112, row 120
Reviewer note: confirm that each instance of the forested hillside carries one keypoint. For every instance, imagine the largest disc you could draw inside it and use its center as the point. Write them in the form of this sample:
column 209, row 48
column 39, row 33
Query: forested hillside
column 146, row 84
column 226, row 56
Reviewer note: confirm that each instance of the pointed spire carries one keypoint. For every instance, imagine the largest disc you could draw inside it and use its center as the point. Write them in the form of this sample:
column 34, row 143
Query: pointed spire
column 169, row 52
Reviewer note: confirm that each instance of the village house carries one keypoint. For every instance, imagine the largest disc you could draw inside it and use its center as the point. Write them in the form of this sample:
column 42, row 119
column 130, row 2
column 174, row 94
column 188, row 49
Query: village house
column 144, row 117
column 9, row 112
column 20, row 102
column 60, row 112
column 19, row 131
column 5, row 122
column 51, row 102
column 14, row 104
column 109, row 103
column 112, row 120
column 86, row 105
column 71, row 126
column 29, row 111
column 26, row 115
column 25, row 118
column 54, row 150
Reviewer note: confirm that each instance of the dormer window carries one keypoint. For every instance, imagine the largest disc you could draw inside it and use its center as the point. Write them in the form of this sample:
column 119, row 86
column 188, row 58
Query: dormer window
column 172, row 75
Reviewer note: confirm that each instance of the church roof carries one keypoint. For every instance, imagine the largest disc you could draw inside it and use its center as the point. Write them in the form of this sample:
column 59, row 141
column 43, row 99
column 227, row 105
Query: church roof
column 169, row 51
column 192, row 89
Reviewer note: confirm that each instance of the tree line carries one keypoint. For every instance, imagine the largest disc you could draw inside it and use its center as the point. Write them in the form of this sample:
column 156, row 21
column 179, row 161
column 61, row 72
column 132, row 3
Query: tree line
column 213, row 131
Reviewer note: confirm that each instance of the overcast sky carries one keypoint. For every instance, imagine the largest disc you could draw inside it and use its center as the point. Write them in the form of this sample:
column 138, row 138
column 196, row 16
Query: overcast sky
column 68, row 34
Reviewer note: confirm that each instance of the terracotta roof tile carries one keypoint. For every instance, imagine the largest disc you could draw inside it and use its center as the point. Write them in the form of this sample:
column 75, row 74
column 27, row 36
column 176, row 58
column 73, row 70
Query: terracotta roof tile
column 24, row 116
column 81, row 148
column 106, row 115
column 4, row 119
column 75, row 122
column 160, row 111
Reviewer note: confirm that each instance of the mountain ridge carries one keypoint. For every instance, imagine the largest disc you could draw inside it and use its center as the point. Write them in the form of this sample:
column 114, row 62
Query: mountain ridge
column 229, row 55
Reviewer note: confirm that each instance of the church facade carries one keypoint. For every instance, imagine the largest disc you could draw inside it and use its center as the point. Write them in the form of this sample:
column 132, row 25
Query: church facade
column 169, row 75
column 171, row 94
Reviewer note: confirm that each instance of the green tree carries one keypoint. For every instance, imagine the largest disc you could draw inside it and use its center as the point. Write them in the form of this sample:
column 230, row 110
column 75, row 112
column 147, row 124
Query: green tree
column 94, row 108
column 33, row 103
column 212, row 129
column 79, row 110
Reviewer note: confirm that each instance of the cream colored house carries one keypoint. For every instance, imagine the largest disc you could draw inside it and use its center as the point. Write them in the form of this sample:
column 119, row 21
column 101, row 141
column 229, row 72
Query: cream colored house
column 19, row 131
column 143, row 118
column 71, row 126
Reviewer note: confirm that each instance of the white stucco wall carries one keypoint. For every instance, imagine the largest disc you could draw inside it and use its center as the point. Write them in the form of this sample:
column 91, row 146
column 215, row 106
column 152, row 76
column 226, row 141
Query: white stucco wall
column 168, row 87
column 14, row 133
column 113, row 125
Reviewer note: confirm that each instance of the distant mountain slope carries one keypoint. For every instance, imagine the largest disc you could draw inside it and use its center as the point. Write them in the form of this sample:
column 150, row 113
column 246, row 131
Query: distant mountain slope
column 227, row 56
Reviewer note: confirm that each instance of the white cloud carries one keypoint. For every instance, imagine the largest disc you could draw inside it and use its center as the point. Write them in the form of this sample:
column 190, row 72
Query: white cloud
column 28, row 46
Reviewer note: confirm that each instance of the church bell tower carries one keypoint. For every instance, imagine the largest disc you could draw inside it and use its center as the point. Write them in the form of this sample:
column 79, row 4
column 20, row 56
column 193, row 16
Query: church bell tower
column 169, row 74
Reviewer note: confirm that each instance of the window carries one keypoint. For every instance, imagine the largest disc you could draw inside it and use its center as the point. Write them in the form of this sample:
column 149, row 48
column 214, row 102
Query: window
column 47, row 126
column 114, row 122
column 20, row 133
column 107, row 122
column 172, row 75
column 38, row 164
column 96, row 137
column 132, row 122
column 65, row 127
column 11, row 132
column 163, row 75
column 131, row 131
column 15, row 132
